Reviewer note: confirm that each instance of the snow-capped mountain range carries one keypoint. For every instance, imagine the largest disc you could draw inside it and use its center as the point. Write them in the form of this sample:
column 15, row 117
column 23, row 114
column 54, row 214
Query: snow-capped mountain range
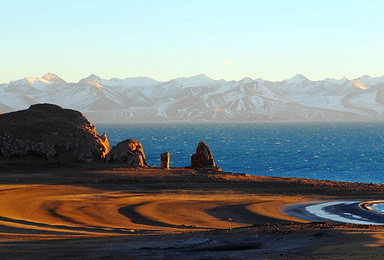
column 200, row 98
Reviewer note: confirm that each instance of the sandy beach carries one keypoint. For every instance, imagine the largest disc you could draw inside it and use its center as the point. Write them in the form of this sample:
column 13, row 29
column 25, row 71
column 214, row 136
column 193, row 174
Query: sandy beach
column 84, row 212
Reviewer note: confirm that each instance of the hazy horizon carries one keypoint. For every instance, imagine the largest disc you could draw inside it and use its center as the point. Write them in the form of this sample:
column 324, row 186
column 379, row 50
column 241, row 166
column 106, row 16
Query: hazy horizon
column 185, row 77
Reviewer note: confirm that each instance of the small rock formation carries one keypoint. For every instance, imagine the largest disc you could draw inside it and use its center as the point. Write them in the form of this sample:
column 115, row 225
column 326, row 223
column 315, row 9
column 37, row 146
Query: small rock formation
column 51, row 132
column 104, row 138
column 165, row 158
column 203, row 158
column 129, row 152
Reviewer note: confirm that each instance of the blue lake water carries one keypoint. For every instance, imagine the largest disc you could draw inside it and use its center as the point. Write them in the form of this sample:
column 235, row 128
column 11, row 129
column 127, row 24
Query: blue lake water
column 378, row 207
column 326, row 151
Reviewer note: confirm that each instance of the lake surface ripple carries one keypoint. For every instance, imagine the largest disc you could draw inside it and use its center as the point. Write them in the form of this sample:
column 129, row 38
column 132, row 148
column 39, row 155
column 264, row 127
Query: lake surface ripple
column 351, row 152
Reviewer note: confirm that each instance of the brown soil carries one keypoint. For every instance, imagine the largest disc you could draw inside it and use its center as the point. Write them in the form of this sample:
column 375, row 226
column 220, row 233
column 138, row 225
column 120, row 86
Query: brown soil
column 101, row 212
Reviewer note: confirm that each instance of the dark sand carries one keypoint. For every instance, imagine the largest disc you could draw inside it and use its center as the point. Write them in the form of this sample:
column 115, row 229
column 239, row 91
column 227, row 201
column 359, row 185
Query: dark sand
column 102, row 212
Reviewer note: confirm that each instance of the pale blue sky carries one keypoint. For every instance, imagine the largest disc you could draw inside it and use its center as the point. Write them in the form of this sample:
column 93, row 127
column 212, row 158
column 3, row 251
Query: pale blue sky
column 166, row 39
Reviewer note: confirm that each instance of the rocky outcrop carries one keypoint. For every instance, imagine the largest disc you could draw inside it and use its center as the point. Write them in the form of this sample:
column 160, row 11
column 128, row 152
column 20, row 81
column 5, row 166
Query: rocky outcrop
column 203, row 157
column 130, row 152
column 164, row 160
column 51, row 132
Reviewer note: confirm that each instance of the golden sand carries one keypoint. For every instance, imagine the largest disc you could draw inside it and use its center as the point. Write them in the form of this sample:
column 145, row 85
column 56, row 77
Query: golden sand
column 82, row 211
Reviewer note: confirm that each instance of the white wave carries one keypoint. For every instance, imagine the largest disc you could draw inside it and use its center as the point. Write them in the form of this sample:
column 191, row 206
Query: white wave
column 318, row 210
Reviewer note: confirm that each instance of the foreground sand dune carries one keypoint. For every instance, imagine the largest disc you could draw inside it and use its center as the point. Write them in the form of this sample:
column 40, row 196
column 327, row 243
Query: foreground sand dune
column 172, row 214
column 70, row 211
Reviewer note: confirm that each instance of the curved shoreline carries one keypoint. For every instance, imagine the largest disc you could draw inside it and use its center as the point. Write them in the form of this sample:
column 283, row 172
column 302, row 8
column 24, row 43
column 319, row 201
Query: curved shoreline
column 345, row 211
column 368, row 205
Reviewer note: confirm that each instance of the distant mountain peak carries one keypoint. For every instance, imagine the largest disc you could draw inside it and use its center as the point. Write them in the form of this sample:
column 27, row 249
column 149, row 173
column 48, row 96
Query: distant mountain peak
column 246, row 80
column 298, row 78
column 52, row 77
column 200, row 76
column 335, row 81
column 49, row 76
column 92, row 77
column 195, row 81
column 47, row 79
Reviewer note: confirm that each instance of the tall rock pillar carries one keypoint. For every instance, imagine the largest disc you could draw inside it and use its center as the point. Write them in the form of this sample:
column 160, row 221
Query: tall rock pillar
column 165, row 158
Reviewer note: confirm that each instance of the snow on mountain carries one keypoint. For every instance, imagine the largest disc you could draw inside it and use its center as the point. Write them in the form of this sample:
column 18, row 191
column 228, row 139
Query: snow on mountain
column 297, row 79
column 247, row 80
column 200, row 98
column 138, row 82
column 194, row 81
column 53, row 78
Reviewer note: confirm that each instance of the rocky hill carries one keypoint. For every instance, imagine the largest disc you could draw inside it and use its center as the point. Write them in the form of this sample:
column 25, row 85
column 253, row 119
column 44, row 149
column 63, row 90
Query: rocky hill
column 50, row 132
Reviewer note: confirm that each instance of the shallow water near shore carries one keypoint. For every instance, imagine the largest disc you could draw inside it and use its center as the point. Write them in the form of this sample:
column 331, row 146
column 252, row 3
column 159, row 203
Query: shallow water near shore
column 377, row 206
column 351, row 152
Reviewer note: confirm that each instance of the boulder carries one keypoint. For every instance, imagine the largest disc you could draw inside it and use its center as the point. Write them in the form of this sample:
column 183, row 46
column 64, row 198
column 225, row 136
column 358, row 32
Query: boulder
column 129, row 152
column 203, row 157
column 51, row 132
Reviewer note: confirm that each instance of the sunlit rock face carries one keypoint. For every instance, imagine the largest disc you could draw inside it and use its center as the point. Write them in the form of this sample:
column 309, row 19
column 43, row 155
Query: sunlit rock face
column 104, row 138
column 130, row 152
column 203, row 157
column 51, row 132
